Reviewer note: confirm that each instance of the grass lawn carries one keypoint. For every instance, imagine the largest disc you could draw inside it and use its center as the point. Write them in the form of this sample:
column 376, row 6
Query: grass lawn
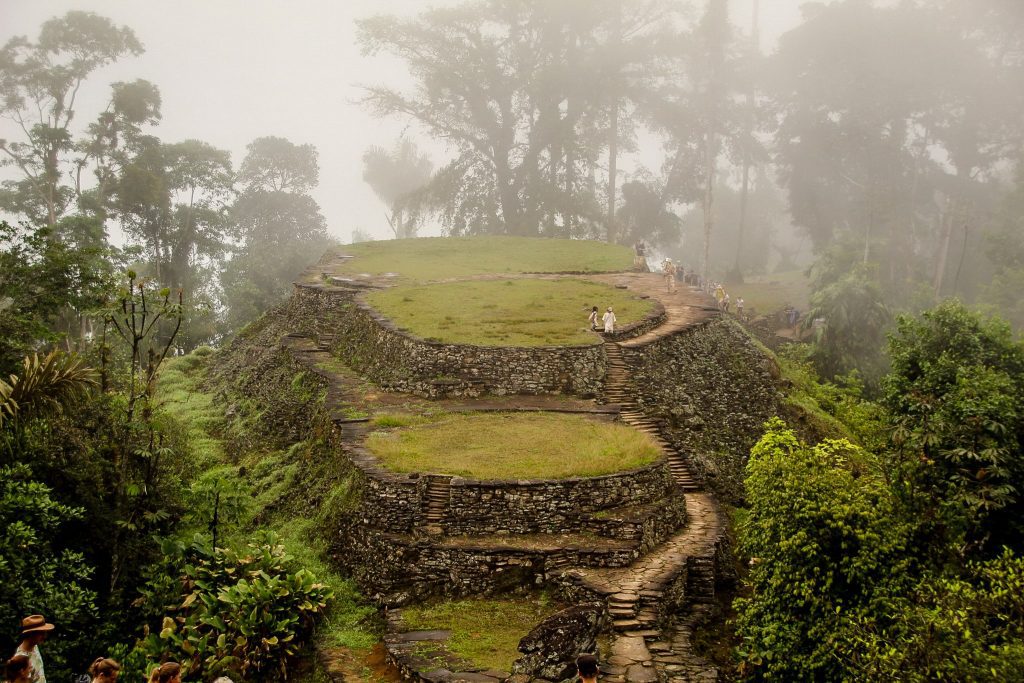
column 502, row 446
column 506, row 312
column 486, row 632
column 436, row 258
column 770, row 293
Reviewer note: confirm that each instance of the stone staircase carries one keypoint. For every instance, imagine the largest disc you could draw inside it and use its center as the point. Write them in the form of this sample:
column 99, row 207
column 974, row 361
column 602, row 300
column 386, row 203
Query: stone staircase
column 618, row 389
column 324, row 342
column 644, row 650
column 436, row 502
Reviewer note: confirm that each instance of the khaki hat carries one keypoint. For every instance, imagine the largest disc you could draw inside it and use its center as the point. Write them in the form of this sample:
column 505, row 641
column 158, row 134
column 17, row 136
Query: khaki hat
column 35, row 624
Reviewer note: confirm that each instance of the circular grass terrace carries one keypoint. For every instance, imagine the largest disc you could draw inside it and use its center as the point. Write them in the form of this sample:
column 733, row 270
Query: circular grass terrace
column 522, row 312
column 509, row 446
column 436, row 258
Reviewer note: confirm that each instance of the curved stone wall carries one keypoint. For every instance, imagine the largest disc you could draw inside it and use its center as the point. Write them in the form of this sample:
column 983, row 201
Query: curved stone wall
column 400, row 362
column 396, row 503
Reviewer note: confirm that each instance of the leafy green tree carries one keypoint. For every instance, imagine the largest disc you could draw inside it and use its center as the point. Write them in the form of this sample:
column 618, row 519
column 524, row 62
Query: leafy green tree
column 826, row 547
column 279, row 225
column 854, row 319
column 643, row 215
column 40, row 575
column 51, row 281
column 956, row 396
column 39, row 83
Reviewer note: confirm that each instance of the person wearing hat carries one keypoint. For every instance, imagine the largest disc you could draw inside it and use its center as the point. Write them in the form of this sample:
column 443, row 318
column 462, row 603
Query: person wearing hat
column 34, row 631
column 609, row 320
column 669, row 269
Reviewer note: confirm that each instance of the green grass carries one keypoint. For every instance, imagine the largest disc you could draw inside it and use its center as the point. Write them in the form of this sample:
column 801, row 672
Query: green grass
column 771, row 293
column 272, row 480
column 486, row 632
column 507, row 312
column 197, row 414
column 501, row 446
column 435, row 258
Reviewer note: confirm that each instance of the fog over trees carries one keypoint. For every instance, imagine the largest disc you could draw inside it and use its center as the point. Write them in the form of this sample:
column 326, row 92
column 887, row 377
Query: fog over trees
column 165, row 175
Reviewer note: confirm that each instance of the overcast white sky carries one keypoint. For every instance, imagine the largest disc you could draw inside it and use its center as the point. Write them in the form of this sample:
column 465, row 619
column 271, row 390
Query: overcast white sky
column 230, row 71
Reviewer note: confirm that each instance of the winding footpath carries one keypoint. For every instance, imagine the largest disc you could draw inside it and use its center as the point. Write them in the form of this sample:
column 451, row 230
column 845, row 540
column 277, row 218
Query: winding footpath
column 650, row 643
column 642, row 651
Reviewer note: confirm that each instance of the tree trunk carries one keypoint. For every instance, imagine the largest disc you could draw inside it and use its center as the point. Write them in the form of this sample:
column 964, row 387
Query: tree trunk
column 940, row 263
column 755, row 37
column 613, row 150
column 711, row 155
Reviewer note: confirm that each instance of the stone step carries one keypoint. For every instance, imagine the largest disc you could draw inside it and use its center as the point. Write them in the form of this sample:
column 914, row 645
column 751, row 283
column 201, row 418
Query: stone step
column 626, row 624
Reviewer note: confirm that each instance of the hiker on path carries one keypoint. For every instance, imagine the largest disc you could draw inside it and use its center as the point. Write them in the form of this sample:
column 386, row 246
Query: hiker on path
column 669, row 269
column 586, row 667
column 739, row 308
column 719, row 295
column 725, row 303
column 609, row 320
column 34, row 631
column 593, row 319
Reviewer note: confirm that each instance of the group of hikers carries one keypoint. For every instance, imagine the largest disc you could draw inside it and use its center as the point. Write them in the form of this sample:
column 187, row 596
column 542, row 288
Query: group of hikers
column 607, row 320
column 26, row 666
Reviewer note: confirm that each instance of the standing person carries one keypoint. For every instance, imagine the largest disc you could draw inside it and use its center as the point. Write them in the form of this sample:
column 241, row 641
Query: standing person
column 586, row 667
column 669, row 269
column 739, row 308
column 725, row 303
column 104, row 670
column 18, row 670
column 609, row 320
column 719, row 295
column 34, row 631
column 593, row 319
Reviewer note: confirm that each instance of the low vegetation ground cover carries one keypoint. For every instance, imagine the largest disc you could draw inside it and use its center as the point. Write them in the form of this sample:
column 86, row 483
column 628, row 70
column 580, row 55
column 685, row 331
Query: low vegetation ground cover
column 498, row 446
column 486, row 632
column 507, row 312
column 257, row 502
column 435, row 258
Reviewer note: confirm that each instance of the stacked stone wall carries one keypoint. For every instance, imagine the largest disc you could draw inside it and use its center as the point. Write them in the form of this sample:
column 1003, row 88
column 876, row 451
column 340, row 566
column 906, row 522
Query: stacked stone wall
column 712, row 389
column 549, row 506
column 398, row 361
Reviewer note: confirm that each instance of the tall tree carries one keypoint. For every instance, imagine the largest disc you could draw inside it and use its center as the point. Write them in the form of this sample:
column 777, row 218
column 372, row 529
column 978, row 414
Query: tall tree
column 278, row 227
column 525, row 125
column 394, row 175
column 39, row 85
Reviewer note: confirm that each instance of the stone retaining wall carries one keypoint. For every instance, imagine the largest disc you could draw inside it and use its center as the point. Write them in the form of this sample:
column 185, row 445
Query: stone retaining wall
column 549, row 506
column 712, row 389
column 398, row 361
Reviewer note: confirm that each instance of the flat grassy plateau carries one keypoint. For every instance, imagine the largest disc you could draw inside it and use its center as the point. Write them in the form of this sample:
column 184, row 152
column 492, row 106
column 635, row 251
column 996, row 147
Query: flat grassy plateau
column 484, row 631
column 509, row 446
column 436, row 258
column 523, row 312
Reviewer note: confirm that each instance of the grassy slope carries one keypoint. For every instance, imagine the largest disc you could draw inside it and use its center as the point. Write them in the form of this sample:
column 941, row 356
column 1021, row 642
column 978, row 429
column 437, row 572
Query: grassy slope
column 506, row 312
column 497, row 446
column 485, row 631
column 271, row 479
column 435, row 258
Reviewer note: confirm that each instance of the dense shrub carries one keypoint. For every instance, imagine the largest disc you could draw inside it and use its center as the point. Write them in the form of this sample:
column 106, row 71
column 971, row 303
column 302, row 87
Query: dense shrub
column 242, row 614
